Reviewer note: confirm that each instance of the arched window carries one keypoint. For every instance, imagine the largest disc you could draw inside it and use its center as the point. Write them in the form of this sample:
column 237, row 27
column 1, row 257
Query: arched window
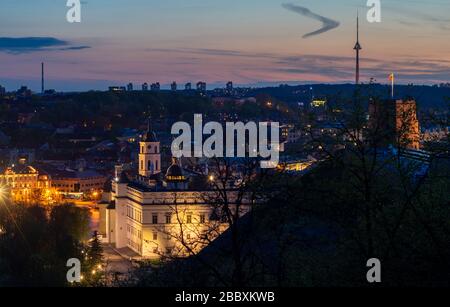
column 150, row 166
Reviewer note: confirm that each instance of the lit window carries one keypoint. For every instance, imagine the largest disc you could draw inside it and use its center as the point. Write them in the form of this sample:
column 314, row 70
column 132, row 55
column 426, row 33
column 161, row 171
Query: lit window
column 155, row 236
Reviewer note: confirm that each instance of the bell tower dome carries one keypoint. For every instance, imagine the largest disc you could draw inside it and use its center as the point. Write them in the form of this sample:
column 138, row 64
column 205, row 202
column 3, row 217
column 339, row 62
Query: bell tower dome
column 149, row 153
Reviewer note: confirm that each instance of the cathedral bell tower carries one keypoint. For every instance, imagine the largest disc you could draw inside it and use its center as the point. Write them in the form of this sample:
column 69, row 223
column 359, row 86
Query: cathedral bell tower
column 149, row 154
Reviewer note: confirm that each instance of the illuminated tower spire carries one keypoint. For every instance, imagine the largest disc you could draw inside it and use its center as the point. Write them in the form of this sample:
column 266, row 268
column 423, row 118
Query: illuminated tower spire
column 149, row 154
column 357, row 48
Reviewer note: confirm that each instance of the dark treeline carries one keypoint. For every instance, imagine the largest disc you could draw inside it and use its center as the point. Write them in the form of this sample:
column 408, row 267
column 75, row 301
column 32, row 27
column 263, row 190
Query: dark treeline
column 36, row 242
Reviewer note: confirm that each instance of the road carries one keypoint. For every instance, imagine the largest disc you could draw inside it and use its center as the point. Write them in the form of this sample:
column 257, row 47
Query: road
column 115, row 262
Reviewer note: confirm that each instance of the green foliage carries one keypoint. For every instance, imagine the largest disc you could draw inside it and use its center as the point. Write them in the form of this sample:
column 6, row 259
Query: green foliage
column 36, row 243
column 99, row 109
column 93, row 266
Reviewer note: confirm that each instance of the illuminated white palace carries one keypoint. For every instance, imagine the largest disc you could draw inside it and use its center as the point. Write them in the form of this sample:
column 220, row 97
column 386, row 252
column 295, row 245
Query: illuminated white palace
column 157, row 215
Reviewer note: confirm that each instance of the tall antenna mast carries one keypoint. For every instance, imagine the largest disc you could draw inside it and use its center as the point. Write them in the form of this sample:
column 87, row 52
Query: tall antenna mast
column 357, row 48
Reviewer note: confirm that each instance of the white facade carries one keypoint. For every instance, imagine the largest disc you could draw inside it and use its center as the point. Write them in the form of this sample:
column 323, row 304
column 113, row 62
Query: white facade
column 157, row 218
column 162, row 223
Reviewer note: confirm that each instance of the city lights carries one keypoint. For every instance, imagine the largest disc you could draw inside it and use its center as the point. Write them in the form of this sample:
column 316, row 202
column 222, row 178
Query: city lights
column 224, row 146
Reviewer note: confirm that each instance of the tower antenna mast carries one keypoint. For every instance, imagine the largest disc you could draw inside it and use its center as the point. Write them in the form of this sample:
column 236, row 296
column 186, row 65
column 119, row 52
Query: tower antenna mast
column 357, row 48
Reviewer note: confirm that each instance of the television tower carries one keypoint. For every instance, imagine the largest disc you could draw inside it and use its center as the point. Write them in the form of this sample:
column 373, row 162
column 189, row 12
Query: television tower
column 357, row 48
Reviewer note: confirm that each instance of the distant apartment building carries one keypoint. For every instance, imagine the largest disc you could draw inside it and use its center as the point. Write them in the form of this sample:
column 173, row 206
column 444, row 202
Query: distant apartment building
column 229, row 88
column 130, row 87
column 173, row 86
column 155, row 86
column 23, row 91
column 201, row 86
column 290, row 134
column 188, row 86
column 145, row 86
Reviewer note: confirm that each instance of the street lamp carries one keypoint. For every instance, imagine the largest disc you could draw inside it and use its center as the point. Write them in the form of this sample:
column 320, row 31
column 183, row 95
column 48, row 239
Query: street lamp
column 3, row 193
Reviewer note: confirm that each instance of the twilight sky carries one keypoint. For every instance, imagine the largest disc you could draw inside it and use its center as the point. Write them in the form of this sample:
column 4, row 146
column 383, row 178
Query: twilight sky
column 251, row 42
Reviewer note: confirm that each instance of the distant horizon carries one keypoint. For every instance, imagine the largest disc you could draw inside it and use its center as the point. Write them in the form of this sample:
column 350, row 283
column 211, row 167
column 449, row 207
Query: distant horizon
column 251, row 42
column 35, row 86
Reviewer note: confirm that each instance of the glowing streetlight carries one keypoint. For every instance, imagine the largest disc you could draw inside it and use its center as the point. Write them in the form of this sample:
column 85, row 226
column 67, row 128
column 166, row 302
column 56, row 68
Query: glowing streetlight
column 3, row 193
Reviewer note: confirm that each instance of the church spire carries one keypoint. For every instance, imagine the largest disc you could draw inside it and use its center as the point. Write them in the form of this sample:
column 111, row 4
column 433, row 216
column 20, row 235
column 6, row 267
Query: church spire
column 149, row 154
column 149, row 135
column 149, row 123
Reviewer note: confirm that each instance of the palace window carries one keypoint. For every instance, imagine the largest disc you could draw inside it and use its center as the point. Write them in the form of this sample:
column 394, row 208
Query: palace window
column 154, row 219
column 155, row 236
column 202, row 219
column 189, row 219
column 168, row 219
